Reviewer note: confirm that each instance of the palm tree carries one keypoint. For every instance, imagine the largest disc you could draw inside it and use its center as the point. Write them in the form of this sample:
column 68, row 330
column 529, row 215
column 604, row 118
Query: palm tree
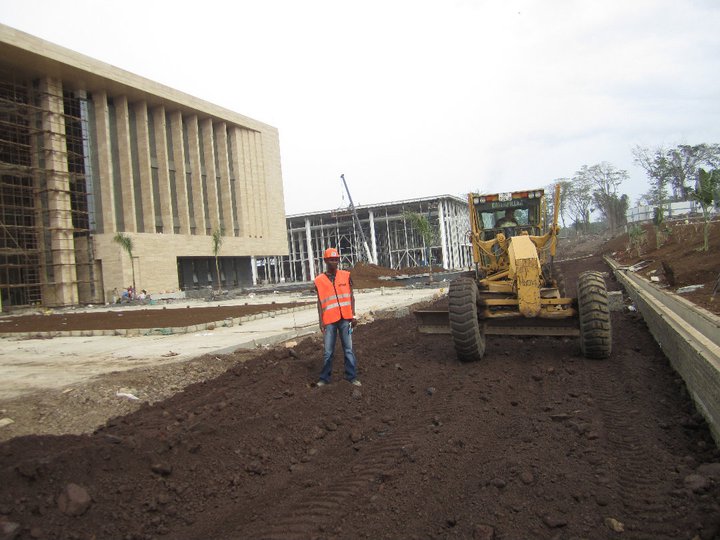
column 127, row 244
column 217, row 240
column 422, row 226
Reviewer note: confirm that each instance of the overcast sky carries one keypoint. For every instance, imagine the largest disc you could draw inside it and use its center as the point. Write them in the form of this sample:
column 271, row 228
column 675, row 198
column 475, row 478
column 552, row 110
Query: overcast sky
column 418, row 98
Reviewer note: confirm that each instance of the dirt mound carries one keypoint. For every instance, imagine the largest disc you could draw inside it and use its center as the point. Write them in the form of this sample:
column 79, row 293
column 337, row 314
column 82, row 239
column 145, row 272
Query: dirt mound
column 367, row 276
column 572, row 247
column 145, row 318
column 372, row 271
column 532, row 442
column 678, row 262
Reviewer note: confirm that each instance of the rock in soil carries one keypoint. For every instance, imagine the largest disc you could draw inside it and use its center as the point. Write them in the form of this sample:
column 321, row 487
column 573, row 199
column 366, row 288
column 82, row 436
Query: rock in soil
column 74, row 500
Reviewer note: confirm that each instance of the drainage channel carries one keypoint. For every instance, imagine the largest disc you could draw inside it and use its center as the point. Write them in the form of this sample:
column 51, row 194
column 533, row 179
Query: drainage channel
column 688, row 335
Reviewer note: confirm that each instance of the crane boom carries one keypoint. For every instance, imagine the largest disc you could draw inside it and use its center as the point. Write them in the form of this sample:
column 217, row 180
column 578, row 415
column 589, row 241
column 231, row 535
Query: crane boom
column 357, row 222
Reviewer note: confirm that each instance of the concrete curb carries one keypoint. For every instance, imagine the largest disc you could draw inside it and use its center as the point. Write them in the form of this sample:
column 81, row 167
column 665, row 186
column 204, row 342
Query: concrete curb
column 136, row 332
column 688, row 335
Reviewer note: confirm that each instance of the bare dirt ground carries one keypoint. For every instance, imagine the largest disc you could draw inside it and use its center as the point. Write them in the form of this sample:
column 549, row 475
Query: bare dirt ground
column 145, row 318
column 532, row 442
column 678, row 261
column 81, row 407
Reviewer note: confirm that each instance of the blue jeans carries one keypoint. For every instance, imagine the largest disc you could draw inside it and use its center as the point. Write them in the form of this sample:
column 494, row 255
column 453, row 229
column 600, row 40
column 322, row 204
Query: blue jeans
column 341, row 327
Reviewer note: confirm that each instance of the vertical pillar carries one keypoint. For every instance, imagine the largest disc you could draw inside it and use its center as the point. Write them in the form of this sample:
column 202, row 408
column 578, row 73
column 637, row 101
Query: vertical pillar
column 260, row 183
column 301, row 247
column 145, row 166
column 196, row 175
column 293, row 257
column 179, row 162
column 125, row 161
column 443, row 234
column 104, row 174
column 62, row 291
column 456, row 237
column 208, row 151
column 253, row 268
column 311, row 256
column 373, row 241
column 248, row 183
column 389, row 239
column 241, row 172
column 225, row 194
column 161, row 157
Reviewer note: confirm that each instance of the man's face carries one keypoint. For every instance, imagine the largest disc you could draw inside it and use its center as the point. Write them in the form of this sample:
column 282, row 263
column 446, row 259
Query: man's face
column 332, row 264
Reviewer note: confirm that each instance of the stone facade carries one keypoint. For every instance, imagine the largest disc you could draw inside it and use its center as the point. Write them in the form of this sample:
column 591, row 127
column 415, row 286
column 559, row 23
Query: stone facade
column 163, row 168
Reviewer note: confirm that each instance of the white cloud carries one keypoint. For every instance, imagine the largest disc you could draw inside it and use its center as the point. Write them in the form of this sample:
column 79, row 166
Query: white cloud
column 412, row 98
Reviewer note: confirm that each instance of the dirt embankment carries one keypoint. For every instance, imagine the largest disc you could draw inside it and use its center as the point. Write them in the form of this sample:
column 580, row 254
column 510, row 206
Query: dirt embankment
column 532, row 442
column 367, row 276
column 146, row 318
column 676, row 260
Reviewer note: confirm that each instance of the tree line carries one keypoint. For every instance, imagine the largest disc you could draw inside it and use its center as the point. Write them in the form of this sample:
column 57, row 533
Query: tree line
column 680, row 173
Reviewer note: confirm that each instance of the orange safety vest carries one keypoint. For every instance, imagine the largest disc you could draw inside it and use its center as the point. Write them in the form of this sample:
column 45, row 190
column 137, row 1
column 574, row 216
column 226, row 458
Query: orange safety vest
column 335, row 298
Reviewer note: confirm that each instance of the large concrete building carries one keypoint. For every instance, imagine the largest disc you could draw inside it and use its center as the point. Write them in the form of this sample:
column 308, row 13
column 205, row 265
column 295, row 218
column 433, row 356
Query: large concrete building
column 88, row 151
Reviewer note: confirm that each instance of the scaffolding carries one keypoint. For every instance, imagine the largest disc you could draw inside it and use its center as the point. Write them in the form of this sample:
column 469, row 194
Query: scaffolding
column 46, row 252
column 394, row 242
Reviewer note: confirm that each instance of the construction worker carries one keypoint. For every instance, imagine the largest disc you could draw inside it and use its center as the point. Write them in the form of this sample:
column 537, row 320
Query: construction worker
column 508, row 220
column 336, row 312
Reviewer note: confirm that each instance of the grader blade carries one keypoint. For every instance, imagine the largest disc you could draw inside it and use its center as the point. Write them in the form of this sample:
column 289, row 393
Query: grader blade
column 438, row 322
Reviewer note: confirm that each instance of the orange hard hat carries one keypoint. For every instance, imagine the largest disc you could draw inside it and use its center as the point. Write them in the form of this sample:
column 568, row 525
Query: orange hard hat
column 331, row 253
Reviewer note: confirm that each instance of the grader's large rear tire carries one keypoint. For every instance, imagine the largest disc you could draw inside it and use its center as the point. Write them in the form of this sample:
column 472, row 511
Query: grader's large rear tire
column 595, row 329
column 464, row 325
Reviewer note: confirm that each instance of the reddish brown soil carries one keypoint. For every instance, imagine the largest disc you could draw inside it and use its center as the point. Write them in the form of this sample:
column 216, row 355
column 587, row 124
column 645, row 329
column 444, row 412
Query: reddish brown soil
column 146, row 318
column 367, row 276
column 532, row 442
column 684, row 263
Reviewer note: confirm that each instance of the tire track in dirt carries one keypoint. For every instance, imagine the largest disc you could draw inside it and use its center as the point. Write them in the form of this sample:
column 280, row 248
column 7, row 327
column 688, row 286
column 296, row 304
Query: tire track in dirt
column 643, row 494
column 320, row 510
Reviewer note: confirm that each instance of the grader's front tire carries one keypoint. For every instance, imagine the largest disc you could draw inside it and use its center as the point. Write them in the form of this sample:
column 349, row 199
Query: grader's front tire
column 464, row 325
column 595, row 329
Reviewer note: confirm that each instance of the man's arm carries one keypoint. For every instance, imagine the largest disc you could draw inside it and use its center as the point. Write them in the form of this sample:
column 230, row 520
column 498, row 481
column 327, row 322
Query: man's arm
column 352, row 302
column 319, row 308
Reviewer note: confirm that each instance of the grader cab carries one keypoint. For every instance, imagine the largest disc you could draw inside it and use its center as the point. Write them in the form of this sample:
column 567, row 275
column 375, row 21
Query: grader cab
column 515, row 289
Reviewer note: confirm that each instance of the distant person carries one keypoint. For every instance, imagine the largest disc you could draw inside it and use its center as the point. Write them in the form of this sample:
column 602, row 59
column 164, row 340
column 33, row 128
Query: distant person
column 142, row 295
column 508, row 220
column 336, row 312
column 125, row 297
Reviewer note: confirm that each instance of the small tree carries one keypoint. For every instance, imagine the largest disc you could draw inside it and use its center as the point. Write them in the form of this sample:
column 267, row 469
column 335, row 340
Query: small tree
column 659, row 224
column 580, row 200
column 704, row 193
column 217, row 240
column 126, row 243
column 638, row 237
column 422, row 226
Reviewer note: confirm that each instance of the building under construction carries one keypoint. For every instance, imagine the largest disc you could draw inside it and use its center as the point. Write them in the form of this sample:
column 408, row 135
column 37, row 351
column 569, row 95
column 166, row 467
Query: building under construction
column 89, row 151
column 383, row 234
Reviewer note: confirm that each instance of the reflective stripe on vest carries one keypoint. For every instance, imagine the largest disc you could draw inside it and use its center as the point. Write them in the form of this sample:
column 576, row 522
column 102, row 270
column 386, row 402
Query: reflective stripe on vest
column 335, row 298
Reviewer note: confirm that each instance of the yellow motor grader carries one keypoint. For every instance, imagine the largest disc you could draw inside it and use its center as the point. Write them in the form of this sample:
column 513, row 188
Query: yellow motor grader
column 514, row 289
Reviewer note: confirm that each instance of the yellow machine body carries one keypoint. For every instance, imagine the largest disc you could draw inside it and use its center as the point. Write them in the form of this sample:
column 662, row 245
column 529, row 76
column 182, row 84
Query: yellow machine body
column 514, row 289
column 510, row 261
